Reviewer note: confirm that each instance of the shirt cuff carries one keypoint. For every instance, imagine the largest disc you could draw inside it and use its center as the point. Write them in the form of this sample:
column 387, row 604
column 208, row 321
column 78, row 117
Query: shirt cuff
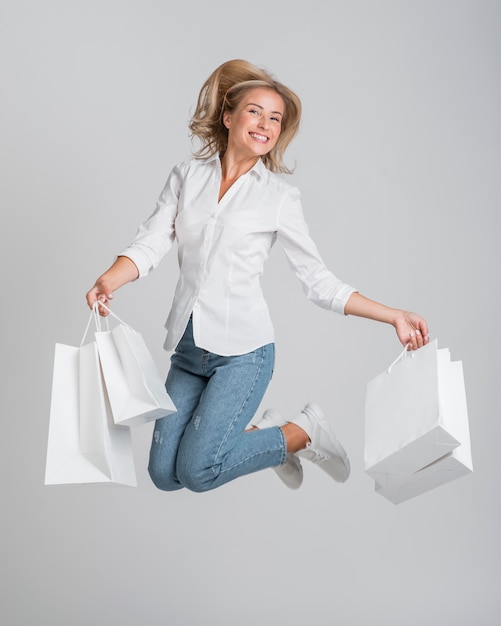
column 140, row 260
column 342, row 297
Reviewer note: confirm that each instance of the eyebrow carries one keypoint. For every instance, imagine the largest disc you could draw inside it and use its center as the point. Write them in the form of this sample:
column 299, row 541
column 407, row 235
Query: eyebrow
column 253, row 104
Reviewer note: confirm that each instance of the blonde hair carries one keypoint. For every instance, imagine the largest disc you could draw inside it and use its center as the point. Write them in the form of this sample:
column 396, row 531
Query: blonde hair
column 222, row 92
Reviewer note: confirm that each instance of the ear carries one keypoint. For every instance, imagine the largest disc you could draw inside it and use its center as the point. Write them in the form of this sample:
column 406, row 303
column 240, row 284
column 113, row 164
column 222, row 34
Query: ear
column 227, row 119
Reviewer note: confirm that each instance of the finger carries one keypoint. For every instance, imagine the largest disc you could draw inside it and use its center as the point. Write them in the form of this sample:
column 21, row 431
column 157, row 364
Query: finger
column 102, row 311
column 91, row 301
column 415, row 339
column 426, row 336
column 422, row 330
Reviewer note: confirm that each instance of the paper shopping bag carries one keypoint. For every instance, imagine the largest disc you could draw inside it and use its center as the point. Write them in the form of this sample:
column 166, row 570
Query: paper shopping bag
column 411, row 417
column 451, row 466
column 79, row 407
column 107, row 446
column 135, row 388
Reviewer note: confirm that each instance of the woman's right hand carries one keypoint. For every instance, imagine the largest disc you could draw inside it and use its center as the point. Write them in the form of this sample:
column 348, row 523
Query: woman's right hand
column 100, row 293
column 121, row 272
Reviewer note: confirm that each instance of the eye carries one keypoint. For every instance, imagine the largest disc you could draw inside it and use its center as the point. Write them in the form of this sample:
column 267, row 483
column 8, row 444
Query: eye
column 276, row 119
column 254, row 111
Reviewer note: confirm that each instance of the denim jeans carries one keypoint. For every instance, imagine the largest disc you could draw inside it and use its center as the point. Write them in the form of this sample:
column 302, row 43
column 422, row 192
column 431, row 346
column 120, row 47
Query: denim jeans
column 204, row 444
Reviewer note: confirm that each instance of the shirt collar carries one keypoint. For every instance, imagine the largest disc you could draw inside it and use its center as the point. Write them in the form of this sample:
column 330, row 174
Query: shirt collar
column 259, row 168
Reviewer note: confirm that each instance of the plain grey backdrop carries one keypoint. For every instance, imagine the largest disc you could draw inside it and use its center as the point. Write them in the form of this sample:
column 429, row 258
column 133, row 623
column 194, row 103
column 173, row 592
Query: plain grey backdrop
column 398, row 160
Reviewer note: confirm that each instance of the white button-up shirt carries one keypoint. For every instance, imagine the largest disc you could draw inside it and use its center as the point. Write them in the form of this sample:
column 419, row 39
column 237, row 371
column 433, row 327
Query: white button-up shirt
column 222, row 247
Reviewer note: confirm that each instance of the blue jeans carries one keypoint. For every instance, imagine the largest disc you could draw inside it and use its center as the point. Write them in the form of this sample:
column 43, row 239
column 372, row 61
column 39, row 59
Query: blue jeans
column 204, row 444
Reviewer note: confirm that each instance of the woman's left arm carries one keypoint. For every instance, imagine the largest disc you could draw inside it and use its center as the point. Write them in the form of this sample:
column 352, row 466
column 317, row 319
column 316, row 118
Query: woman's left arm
column 411, row 328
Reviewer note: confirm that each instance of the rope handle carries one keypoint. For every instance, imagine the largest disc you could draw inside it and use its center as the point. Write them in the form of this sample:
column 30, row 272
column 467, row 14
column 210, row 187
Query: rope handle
column 96, row 304
column 94, row 315
column 97, row 322
column 403, row 355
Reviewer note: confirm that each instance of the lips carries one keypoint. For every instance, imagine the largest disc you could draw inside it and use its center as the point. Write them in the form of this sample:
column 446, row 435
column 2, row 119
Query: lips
column 258, row 137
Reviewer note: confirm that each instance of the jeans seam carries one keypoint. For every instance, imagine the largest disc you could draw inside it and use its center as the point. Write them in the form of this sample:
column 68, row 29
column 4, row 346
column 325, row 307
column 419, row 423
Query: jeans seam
column 284, row 446
column 225, row 439
column 251, row 456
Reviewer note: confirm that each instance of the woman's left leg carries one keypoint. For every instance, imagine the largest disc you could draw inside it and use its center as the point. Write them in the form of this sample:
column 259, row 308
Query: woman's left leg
column 215, row 447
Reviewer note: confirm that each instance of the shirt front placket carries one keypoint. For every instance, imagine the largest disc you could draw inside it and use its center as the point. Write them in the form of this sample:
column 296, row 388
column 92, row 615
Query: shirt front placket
column 206, row 244
column 216, row 207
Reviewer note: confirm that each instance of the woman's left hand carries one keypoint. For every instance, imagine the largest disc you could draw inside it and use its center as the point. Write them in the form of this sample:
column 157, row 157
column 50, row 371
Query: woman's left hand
column 411, row 329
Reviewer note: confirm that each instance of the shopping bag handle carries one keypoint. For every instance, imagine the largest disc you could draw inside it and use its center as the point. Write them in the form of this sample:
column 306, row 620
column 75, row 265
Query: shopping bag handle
column 97, row 304
column 94, row 315
column 403, row 355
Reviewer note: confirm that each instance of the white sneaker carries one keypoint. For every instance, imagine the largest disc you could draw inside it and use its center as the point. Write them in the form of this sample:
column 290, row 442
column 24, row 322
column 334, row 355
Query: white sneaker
column 323, row 448
column 290, row 472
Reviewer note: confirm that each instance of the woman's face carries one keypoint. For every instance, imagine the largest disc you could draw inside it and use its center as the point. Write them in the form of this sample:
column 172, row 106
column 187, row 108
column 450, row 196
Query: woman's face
column 255, row 125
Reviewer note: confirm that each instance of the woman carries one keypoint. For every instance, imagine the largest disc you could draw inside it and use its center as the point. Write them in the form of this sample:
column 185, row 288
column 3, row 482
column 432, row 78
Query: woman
column 225, row 208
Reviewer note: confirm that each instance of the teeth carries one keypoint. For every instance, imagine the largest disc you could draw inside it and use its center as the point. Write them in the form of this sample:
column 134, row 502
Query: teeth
column 259, row 137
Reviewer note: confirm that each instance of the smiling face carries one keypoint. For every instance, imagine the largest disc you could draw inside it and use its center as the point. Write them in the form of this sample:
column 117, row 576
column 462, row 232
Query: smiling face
column 255, row 124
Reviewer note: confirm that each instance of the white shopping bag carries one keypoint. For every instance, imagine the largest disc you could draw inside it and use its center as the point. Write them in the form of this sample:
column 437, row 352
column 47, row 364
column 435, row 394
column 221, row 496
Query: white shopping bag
column 84, row 445
column 107, row 445
column 135, row 388
column 451, row 466
column 411, row 417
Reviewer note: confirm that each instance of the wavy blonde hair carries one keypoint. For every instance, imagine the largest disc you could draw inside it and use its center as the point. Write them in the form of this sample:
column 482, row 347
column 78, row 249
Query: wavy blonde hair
column 222, row 92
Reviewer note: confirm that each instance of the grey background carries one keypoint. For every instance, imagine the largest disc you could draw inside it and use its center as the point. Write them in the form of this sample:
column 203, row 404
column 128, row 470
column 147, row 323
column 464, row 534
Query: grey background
column 398, row 161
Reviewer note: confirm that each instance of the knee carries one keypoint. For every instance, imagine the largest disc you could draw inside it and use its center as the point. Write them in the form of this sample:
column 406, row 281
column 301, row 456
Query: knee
column 197, row 479
column 162, row 479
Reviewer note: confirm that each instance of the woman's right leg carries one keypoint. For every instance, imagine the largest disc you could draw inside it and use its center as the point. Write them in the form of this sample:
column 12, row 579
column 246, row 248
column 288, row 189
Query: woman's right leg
column 184, row 388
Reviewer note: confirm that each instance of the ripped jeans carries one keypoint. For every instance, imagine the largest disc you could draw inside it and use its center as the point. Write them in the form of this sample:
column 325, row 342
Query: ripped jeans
column 204, row 444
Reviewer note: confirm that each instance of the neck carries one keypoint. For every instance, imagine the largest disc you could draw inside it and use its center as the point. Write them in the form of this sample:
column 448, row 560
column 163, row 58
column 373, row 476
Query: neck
column 233, row 167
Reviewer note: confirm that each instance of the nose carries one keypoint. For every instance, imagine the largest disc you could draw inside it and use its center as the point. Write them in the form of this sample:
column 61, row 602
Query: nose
column 263, row 122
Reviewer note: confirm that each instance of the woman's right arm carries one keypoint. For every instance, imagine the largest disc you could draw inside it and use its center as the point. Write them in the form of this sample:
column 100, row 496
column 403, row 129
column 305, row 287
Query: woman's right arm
column 153, row 240
column 123, row 271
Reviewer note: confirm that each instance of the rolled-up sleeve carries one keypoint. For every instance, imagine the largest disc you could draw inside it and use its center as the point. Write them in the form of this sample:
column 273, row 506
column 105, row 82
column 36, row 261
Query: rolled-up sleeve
column 319, row 283
column 156, row 235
